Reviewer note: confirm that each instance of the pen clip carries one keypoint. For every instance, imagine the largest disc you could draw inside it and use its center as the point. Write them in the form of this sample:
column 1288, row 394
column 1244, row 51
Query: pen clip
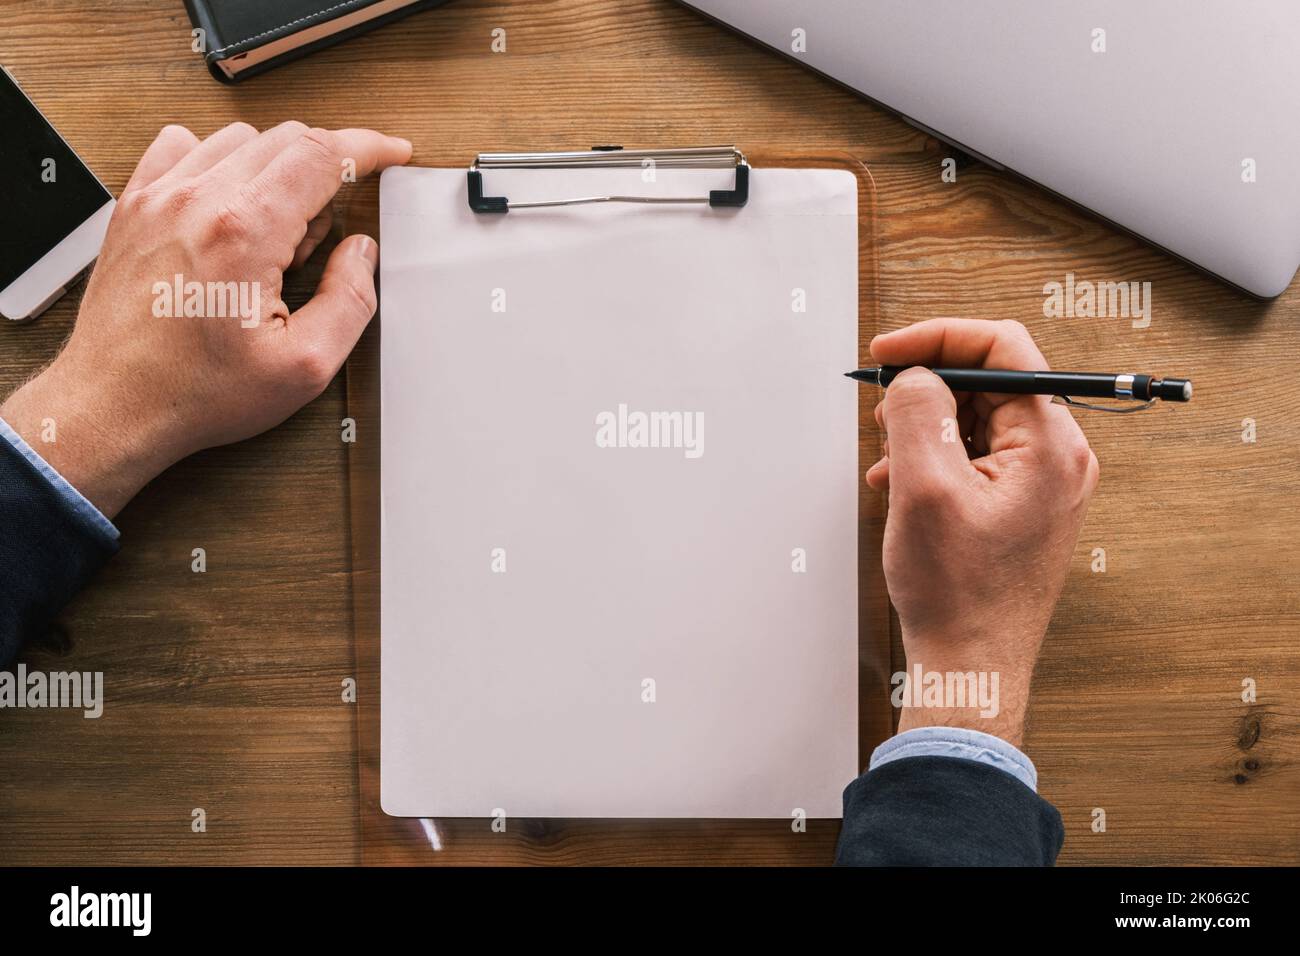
column 1116, row 409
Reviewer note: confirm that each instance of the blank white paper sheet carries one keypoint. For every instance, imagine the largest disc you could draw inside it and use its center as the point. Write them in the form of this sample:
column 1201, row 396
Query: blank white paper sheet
column 619, row 497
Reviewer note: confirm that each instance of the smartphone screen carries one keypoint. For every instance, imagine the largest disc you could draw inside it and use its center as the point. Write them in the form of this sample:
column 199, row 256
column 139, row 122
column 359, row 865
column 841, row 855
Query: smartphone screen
column 45, row 190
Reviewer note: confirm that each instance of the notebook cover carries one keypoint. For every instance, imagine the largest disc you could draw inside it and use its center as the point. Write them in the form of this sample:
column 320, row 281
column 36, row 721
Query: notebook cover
column 233, row 27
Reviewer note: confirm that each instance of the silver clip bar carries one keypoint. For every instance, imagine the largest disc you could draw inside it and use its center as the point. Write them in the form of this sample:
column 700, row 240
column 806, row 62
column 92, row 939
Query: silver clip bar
column 706, row 157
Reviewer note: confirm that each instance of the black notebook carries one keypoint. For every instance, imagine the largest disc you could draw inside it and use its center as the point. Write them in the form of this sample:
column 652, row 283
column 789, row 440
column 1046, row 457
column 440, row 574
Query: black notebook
column 241, row 38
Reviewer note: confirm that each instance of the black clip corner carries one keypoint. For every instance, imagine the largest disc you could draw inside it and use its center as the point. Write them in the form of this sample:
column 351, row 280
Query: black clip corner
column 737, row 197
column 480, row 203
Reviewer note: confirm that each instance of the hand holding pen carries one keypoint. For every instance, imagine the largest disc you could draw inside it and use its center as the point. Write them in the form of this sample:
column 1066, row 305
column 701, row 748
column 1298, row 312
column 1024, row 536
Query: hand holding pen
column 987, row 494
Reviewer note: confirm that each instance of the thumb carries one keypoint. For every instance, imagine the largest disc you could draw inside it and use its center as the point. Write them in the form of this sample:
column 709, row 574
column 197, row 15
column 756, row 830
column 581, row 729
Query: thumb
column 344, row 302
column 925, row 443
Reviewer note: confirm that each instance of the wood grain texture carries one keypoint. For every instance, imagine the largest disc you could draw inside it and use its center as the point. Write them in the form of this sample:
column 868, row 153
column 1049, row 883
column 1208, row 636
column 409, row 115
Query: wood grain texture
column 224, row 688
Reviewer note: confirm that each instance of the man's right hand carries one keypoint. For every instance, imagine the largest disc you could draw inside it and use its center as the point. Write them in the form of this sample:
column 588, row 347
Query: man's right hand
column 987, row 494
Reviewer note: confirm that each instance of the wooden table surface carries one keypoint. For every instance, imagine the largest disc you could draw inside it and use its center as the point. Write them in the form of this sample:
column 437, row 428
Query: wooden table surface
column 224, row 689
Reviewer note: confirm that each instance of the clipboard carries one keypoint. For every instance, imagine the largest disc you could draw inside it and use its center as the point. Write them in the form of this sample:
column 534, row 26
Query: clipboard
column 388, row 839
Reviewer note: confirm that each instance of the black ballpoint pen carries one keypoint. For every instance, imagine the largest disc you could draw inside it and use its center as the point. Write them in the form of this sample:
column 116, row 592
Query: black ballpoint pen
column 1128, row 386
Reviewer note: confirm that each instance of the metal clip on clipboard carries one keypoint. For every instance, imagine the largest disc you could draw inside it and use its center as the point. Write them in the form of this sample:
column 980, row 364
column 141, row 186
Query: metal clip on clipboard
column 706, row 157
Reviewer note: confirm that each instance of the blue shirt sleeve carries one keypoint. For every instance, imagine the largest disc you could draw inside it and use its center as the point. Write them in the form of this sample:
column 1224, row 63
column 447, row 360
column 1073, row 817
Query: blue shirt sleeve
column 75, row 500
column 957, row 742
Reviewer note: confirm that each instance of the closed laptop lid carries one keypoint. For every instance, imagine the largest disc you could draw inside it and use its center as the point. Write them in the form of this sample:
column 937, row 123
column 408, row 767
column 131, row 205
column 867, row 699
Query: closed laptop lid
column 1175, row 119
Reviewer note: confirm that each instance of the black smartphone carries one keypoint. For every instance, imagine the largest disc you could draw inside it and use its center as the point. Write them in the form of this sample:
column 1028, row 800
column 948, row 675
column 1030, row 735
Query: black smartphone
column 53, row 211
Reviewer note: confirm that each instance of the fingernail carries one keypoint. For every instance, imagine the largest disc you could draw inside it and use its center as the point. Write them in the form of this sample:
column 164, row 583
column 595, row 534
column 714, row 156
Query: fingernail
column 405, row 142
column 367, row 249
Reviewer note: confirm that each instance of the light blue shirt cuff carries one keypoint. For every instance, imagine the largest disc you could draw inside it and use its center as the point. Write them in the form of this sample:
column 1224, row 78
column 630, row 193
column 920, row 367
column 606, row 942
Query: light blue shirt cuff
column 74, row 499
column 957, row 742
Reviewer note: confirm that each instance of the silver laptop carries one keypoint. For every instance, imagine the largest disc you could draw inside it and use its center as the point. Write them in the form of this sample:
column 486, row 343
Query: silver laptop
column 1178, row 120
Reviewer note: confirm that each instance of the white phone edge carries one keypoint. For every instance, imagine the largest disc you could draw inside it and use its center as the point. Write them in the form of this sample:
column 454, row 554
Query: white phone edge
column 50, row 276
